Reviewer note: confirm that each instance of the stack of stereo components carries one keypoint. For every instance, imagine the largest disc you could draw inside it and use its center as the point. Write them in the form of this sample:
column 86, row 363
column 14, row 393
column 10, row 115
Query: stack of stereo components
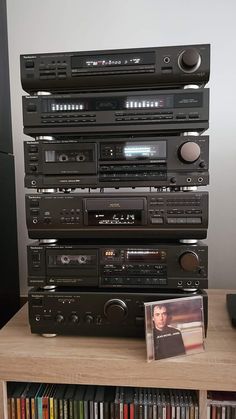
column 130, row 120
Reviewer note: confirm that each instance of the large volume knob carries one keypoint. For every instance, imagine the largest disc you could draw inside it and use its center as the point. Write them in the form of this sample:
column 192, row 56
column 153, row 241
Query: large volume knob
column 189, row 152
column 189, row 60
column 189, row 261
column 115, row 310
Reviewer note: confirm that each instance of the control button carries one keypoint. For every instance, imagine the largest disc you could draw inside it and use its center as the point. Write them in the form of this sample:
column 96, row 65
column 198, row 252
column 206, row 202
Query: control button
column 167, row 70
column 31, row 107
column 88, row 319
column 196, row 220
column 34, row 204
column 33, row 168
column 33, row 149
column 29, row 64
column 61, row 66
column 189, row 261
column 173, row 179
column 158, row 220
column 189, row 60
column 33, row 158
column 202, row 164
column 194, row 116
column 181, row 220
column 189, row 152
column 74, row 318
column 181, row 116
column 59, row 318
column 98, row 320
column 34, row 212
column 167, row 117
column 171, row 220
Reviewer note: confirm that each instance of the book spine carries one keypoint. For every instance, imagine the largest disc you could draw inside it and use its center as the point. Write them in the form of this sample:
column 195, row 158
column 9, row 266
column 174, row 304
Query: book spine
column 71, row 411
column 13, row 408
column 9, row 407
column 55, row 408
column 81, row 410
column 61, row 410
column 101, row 407
column 65, row 409
column 27, row 408
column 18, row 408
column 51, row 408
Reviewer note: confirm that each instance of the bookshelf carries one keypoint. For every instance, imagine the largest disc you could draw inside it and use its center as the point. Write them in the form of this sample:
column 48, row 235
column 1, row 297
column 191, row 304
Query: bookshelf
column 117, row 361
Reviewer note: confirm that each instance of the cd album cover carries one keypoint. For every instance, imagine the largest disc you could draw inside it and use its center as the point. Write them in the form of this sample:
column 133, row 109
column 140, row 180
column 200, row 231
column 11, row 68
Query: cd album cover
column 174, row 327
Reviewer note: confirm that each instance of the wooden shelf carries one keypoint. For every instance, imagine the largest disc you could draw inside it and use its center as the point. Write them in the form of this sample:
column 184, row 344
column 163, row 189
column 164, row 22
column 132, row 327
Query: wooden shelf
column 116, row 361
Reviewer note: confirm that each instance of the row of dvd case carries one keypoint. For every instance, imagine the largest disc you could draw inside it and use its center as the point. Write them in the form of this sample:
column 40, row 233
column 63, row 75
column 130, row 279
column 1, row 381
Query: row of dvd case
column 63, row 401
column 221, row 405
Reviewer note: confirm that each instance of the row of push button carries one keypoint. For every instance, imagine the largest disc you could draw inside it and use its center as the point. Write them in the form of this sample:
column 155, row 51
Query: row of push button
column 134, row 281
column 179, row 220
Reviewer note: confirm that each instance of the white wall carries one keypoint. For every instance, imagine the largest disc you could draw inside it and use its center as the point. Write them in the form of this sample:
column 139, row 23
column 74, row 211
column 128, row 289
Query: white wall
column 59, row 25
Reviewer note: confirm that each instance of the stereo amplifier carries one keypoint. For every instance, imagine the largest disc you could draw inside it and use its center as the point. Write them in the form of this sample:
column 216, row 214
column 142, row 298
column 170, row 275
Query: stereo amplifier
column 95, row 312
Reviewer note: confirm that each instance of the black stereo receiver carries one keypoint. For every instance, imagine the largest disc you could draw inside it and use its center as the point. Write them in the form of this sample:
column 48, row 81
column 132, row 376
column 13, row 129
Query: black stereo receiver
column 117, row 162
column 136, row 111
column 162, row 215
column 167, row 265
column 95, row 312
column 114, row 69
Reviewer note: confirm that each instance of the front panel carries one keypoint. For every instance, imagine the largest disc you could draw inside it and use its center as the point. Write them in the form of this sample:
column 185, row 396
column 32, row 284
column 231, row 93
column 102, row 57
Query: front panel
column 114, row 69
column 163, row 215
column 95, row 313
column 114, row 265
column 125, row 161
column 146, row 111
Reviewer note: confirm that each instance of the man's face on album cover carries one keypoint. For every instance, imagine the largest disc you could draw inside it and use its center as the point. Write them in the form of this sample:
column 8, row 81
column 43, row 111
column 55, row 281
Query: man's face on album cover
column 160, row 317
